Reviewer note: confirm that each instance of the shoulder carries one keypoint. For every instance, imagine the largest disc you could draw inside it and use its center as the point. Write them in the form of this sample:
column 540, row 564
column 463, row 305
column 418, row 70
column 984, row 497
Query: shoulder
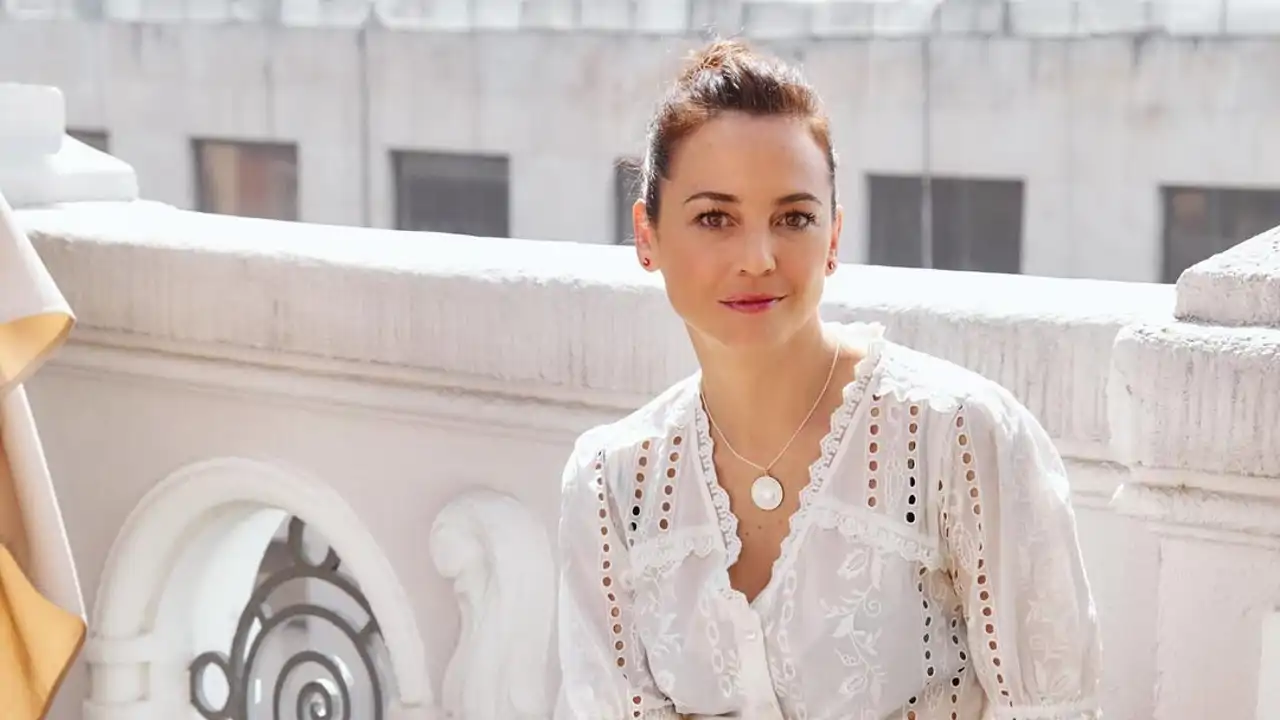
column 977, row 420
column 616, row 444
column 952, row 391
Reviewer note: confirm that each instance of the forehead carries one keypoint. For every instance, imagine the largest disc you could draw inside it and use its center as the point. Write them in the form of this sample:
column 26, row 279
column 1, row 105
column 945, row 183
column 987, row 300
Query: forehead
column 738, row 153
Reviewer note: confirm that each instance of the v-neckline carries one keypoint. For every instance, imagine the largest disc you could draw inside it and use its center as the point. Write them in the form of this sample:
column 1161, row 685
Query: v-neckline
column 838, row 424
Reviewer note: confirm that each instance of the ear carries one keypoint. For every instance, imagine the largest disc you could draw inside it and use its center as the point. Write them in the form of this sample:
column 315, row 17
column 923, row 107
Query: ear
column 646, row 245
column 833, row 248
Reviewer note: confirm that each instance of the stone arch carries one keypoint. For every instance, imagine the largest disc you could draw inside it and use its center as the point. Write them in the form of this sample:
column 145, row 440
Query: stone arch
column 154, row 610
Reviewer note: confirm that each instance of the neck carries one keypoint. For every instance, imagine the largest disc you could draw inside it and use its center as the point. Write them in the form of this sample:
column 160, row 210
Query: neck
column 758, row 394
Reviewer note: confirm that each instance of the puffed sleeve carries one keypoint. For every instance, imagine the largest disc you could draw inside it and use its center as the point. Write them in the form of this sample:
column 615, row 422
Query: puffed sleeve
column 1010, row 537
column 605, row 675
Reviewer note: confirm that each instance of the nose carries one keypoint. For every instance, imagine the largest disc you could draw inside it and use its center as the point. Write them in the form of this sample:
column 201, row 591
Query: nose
column 758, row 256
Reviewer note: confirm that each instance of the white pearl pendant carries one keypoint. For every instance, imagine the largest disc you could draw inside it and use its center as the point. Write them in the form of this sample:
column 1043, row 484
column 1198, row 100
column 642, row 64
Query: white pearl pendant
column 766, row 492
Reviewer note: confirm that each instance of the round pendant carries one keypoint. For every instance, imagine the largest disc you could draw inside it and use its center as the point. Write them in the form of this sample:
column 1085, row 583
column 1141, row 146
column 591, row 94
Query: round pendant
column 766, row 492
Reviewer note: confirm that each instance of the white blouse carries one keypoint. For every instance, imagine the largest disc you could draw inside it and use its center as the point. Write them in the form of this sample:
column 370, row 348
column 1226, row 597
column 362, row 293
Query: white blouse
column 932, row 571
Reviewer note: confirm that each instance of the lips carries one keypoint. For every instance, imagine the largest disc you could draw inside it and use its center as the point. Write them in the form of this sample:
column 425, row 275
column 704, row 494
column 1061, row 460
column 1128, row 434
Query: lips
column 752, row 304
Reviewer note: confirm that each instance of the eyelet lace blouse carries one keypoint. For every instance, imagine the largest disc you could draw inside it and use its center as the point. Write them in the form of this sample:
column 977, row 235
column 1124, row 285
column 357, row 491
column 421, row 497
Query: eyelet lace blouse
column 931, row 572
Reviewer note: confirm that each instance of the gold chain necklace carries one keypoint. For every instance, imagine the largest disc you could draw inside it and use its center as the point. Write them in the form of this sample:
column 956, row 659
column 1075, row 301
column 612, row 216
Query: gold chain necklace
column 766, row 491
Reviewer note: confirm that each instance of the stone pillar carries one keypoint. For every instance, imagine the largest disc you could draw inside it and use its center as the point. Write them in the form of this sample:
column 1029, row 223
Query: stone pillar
column 1194, row 407
column 41, row 165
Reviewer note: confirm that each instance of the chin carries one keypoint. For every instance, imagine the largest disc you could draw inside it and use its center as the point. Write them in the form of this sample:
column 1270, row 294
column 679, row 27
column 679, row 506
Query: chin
column 750, row 331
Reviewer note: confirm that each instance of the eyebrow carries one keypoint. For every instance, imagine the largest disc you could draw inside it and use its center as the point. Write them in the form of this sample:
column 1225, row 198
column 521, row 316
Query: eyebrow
column 727, row 198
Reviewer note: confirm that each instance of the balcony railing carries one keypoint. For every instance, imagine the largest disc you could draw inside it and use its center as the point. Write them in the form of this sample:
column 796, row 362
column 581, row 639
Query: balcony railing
column 413, row 402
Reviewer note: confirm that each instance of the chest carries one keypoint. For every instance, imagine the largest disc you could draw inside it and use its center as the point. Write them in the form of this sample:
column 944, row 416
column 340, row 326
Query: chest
column 761, row 531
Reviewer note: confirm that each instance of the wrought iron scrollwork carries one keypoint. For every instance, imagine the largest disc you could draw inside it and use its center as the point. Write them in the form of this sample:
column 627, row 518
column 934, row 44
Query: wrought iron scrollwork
column 312, row 684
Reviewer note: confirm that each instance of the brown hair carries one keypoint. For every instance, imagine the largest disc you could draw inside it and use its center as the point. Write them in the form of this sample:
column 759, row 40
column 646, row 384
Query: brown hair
column 727, row 76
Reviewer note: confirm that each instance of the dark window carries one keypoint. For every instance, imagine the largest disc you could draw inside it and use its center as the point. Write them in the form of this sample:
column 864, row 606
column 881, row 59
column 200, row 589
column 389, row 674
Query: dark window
column 626, row 190
column 452, row 193
column 1202, row 222
column 250, row 179
column 93, row 138
column 976, row 224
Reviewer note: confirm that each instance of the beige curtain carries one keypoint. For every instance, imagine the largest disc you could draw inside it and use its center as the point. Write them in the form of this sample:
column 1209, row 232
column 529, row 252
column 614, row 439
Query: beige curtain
column 41, row 611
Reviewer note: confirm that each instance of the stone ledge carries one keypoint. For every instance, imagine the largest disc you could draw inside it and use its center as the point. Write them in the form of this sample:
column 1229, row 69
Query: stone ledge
column 1238, row 287
column 76, row 173
column 1225, row 517
column 578, row 317
column 1194, row 397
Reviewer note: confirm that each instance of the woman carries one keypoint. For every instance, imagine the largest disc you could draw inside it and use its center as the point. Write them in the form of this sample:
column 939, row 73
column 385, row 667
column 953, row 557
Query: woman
column 821, row 523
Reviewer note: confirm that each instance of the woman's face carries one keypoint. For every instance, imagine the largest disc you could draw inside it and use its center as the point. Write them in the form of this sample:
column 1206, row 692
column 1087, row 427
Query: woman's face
column 745, row 234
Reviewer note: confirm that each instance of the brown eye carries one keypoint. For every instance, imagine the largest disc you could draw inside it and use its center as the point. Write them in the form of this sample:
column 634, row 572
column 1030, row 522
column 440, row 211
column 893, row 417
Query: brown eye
column 713, row 219
column 797, row 220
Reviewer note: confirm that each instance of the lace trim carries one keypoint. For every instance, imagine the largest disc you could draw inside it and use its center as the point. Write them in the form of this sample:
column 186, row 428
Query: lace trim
column 1080, row 710
column 876, row 531
column 820, row 469
column 719, row 498
column 660, row 555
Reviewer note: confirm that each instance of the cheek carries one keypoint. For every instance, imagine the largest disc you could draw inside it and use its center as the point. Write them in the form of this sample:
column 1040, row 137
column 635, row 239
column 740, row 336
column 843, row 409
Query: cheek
column 687, row 279
column 691, row 277
column 805, row 262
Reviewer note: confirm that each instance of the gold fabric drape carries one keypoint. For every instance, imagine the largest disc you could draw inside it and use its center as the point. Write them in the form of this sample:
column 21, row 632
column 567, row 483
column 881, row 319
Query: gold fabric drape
column 42, row 623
